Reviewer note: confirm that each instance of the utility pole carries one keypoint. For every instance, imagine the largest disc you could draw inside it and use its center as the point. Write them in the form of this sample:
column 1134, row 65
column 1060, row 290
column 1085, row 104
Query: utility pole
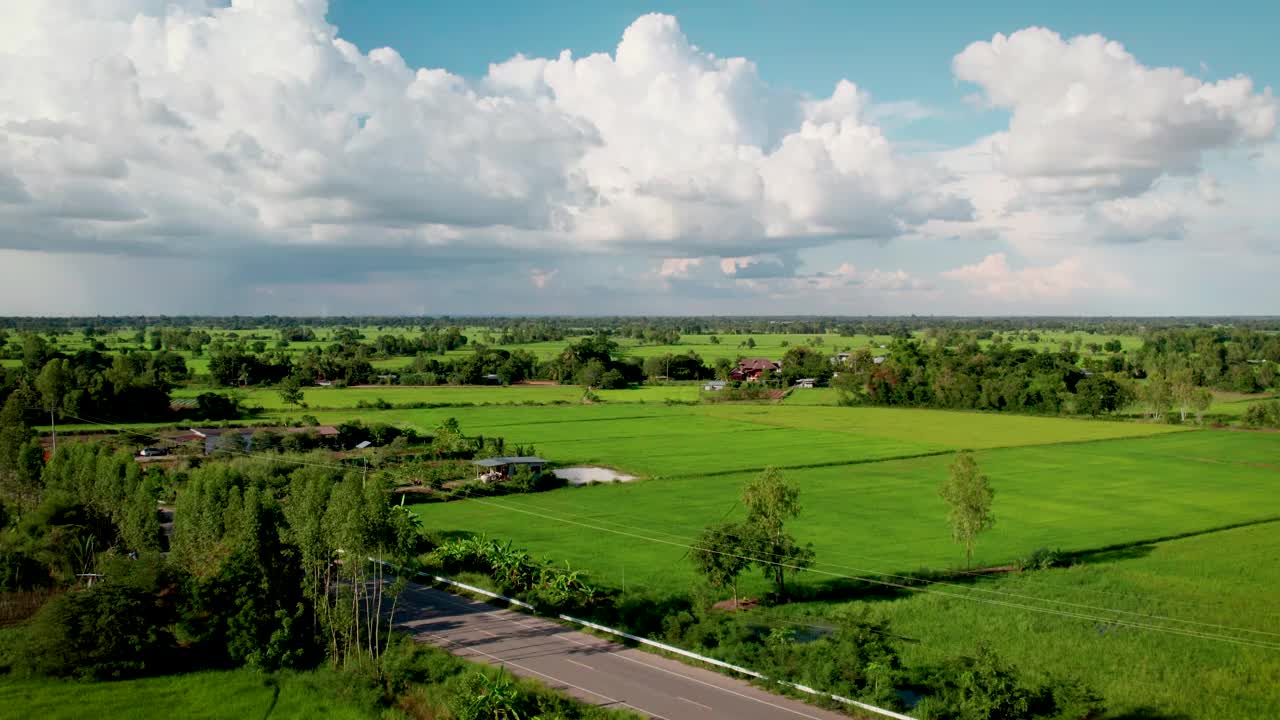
column 53, row 427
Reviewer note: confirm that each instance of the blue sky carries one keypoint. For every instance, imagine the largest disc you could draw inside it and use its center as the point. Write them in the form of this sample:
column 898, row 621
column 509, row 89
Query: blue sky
column 348, row 156
column 896, row 51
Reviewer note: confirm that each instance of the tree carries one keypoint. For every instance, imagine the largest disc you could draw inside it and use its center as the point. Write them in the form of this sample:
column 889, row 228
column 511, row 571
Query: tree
column 805, row 362
column 1157, row 395
column 770, row 502
column 1267, row 375
column 52, row 383
column 720, row 555
column 655, row 366
column 212, row 406
column 14, row 434
column 968, row 494
column 1201, row 402
column 723, row 367
column 1182, row 388
column 290, row 391
column 1098, row 394
column 612, row 380
column 591, row 374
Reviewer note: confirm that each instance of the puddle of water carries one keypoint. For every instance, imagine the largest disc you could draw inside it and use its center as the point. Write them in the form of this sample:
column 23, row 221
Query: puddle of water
column 588, row 475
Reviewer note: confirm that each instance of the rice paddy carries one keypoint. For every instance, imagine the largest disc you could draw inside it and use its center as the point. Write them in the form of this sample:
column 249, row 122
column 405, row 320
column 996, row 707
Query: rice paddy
column 1147, row 509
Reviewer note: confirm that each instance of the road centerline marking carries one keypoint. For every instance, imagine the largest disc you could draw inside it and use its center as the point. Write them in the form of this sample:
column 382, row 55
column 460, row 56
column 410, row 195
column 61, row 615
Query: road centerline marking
column 694, row 702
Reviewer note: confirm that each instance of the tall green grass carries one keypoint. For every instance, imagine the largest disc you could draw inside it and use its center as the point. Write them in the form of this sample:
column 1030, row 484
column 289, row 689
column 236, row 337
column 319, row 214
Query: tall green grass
column 230, row 695
column 1225, row 584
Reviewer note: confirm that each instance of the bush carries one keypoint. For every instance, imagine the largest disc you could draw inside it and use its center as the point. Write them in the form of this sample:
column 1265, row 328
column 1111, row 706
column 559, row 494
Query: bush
column 120, row 628
column 984, row 687
column 1263, row 414
column 524, row 480
column 515, row 571
column 1042, row 559
column 407, row 663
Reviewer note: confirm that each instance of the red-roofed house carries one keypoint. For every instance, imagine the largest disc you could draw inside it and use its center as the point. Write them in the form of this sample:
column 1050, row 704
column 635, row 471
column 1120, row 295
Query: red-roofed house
column 750, row 369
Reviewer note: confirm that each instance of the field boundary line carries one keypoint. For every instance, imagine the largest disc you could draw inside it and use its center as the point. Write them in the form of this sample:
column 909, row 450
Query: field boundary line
column 1032, row 608
column 1173, row 538
column 810, row 466
column 936, row 453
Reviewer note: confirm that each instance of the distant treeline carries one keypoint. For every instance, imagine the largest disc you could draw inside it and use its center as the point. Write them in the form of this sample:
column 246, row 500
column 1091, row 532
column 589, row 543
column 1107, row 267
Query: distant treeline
column 536, row 329
column 1170, row 371
column 984, row 368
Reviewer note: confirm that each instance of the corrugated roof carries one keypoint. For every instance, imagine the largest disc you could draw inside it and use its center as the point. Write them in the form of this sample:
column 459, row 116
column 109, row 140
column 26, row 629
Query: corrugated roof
column 523, row 460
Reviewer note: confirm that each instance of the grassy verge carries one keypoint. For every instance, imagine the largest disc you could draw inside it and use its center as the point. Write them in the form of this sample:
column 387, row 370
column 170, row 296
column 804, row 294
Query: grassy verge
column 1195, row 591
column 213, row 695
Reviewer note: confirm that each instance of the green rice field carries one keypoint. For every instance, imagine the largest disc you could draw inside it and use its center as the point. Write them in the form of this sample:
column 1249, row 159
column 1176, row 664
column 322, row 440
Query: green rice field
column 1175, row 629
column 655, row 439
column 1149, row 508
column 343, row 398
column 230, row 695
column 886, row 517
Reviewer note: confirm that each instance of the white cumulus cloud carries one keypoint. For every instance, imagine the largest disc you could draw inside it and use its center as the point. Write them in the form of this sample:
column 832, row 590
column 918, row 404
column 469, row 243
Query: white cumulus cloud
column 994, row 278
column 1088, row 119
column 193, row 128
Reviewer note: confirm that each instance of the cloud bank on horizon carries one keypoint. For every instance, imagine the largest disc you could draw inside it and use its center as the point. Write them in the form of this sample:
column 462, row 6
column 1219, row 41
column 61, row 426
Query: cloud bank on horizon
column 167, row 157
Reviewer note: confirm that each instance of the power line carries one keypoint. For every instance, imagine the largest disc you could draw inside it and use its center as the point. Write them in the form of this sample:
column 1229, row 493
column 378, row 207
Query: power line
column 1035, row 598
column 1025, row 580
column 1063, row 613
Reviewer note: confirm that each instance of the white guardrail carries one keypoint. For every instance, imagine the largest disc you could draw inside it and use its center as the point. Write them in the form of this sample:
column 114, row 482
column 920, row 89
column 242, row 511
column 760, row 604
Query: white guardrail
column 661, row 646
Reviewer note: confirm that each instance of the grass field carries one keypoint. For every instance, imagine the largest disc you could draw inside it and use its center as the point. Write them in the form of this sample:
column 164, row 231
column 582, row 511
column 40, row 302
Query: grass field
column 1224, row 584
column 1235, row 404
column 655, row 439
column 812, row 396
column 206, row 696
column 869, row 478
column 886, row 516
column 335, row 398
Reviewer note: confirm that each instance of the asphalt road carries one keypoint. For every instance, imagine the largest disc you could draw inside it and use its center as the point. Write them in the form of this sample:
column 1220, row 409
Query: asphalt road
column 589, row 668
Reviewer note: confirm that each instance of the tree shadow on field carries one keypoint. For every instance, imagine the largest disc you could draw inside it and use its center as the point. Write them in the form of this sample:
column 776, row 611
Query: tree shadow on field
column 1145, row 712
column 1131, row 552
column 842, row 589
column 1142, row 548
column 440, row 537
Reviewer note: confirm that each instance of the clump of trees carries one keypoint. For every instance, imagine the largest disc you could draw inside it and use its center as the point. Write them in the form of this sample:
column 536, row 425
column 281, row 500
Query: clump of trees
column 252, row 578
column 131, row 386
column 682, row 366
column 724, row 551
column 970, row 376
